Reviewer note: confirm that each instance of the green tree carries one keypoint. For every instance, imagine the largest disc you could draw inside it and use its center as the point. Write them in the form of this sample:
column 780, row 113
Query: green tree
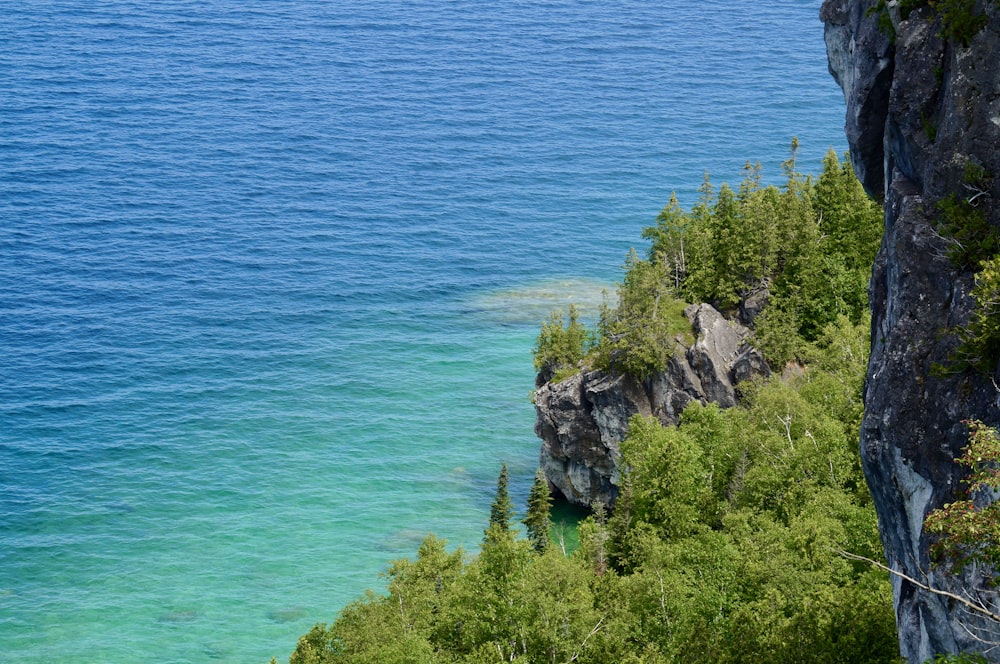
column 729, row 254
column 502, row 509
column 979, row 341
column 538, row 521
column 829, row 233
column 560, row 346
column 487, row 615
column 638, row 336
column 671, row 241
column 315, row 647
column 668, row 477
column 562, row 610
column 970, row 236
column 594, row 539
column 809, row 244
column 400, row 627
column 850, row 219
column 966, row 531
column 759, row 208
column 699, row 284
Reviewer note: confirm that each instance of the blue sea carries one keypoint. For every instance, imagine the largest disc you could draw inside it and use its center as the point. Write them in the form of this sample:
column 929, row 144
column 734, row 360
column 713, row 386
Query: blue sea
column 271, row 272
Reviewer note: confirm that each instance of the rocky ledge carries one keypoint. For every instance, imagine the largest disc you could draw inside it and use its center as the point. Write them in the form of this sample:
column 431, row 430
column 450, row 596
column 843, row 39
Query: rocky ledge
column 582, row 419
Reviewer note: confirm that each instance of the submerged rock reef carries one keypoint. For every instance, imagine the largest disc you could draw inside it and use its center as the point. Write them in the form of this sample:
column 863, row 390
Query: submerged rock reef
column 582, row 419
column 923, row 111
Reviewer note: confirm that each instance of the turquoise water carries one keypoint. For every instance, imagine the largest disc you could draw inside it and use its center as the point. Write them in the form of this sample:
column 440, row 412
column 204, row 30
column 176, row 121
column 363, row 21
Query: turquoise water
column 270, row 273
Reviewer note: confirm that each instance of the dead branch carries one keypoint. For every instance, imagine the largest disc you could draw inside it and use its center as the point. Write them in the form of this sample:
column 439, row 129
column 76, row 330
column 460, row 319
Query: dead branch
column 977, row 608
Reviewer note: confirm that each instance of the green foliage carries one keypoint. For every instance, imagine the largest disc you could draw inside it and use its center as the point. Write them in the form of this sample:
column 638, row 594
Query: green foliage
column 972, row 239
column 810, row 244
column 398, row 628
column 560, row 347
column 722, row 542
column 669, row 479
column 486, row 613
column 638, row 336
column 502, row 509
column 960, row 658
column 979, row 341
column 776, row 333
column 849, row 218
column 975, row 175
column 725, row 532
column 316, row 647
column 967, row 530
column 880, row 10
column 833, row 232
column 669, row 237
column 538, row 521
column 721, row 548
column 959, row 20
column 594, row 538
column 929, row 125
column 974, row 244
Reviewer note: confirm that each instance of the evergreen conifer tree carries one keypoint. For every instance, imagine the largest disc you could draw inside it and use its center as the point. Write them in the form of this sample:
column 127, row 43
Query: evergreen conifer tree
column 502, row 509
column 538, row 521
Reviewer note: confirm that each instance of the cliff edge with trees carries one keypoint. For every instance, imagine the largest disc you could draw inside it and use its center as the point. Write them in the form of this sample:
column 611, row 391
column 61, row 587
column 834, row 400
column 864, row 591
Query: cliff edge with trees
column 744, row 282
column 726, row 538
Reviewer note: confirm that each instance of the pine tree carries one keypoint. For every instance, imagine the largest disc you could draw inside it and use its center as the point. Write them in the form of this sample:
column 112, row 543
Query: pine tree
column 538, row 521
column 502, row 509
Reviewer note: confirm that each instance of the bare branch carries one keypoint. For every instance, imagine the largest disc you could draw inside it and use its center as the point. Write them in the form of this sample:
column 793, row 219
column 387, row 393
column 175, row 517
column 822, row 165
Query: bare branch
column 788, row 429
column 978, row 192
column 586, row 638
column 947, row 241
column 977, row 637
column 663, row 593
column 977, row 608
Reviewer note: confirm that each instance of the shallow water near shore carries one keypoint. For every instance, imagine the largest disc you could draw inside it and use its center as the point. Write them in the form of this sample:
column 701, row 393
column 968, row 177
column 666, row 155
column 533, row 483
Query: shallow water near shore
column 270, row 274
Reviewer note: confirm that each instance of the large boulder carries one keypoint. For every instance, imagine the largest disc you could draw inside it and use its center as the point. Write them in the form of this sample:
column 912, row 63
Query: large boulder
column 581, row 420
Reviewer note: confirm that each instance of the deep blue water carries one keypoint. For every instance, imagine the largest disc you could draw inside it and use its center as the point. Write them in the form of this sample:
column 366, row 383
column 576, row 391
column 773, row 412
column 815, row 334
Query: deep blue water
column 270, row 273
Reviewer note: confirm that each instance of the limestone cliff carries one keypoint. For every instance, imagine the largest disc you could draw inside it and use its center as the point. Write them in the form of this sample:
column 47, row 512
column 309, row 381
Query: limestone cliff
column 582, row 419
column 920, row 108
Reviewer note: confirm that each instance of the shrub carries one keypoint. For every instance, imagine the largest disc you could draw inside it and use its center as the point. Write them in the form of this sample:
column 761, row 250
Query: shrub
column 969, row 532
column 560, row 347
column 959, row 22
column 979, row 341
column 637, row 337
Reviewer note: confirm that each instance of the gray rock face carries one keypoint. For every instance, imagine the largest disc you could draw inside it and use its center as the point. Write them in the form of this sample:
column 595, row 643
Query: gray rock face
column 753, row 304
column 582, row 419
column 917, row 112
column 851, row 38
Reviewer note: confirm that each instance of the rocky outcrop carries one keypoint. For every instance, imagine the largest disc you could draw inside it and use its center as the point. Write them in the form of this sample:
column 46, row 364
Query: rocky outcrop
column 582, row 419
column 920, row 109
